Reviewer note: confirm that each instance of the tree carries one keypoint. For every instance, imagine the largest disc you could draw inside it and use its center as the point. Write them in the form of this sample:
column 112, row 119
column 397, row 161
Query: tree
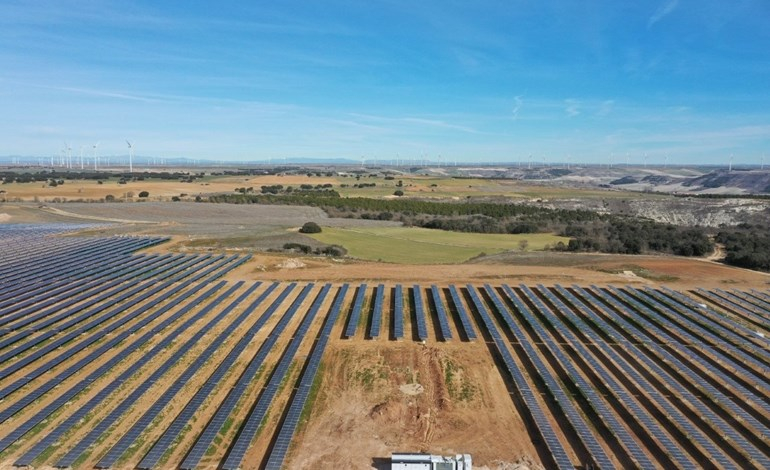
column 144, row 194
column 310, row 227
column 398, row 193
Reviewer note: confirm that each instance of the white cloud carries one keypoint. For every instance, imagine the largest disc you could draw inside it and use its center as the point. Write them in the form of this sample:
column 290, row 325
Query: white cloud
column 662, row 12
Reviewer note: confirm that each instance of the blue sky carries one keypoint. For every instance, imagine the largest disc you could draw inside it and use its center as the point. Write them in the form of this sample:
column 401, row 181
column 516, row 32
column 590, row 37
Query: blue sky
column 470, row 81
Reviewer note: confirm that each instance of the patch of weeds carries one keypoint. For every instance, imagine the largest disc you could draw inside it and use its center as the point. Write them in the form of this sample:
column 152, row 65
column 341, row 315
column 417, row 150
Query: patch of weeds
column 366, row 377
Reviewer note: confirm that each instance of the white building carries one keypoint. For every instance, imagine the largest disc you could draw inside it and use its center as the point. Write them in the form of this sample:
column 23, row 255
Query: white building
column 404, row 461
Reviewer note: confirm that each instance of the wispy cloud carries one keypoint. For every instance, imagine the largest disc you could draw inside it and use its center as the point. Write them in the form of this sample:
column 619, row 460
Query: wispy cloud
column 606, row 107
column 438, row 123
column 572, row 107
column 663, row 11
column 517, row 105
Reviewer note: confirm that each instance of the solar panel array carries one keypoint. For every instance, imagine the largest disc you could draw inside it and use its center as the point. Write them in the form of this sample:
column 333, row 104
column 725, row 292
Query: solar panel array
column 122, row 359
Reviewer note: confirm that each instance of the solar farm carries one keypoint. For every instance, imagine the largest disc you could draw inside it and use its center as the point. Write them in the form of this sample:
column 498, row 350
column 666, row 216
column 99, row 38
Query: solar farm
column 115, row 358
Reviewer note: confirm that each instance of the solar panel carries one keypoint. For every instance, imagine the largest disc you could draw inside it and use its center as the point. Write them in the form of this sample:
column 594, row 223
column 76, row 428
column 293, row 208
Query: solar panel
column 543, row 424
column 64, row 397
column 289, row 425
column 232, row 398
column 465, row 320
column 374, row 328
column 355, row 313
column 119, row 448
column 419, row 313
column 563, row 400
column 711, row 392
column 152, row 458
column 253, row 422
column 443, row 320
column 637, row 411
column 398, row 312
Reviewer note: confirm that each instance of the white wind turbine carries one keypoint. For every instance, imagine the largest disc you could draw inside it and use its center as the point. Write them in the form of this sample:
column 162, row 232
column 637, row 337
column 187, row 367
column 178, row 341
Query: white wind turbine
column 130, row 157
column 81, row 156
column 96, row 158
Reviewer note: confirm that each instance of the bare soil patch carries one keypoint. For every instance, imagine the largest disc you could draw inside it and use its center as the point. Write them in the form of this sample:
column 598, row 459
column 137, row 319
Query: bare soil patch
column 362, row 414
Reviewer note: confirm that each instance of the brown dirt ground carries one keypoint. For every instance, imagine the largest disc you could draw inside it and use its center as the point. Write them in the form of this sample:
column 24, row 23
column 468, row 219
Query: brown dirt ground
column 362, row 415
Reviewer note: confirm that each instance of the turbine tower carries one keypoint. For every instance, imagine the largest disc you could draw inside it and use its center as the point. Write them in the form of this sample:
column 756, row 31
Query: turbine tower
column 130, row 157
column 81, row 156
column 96, row 159
column 730, row 165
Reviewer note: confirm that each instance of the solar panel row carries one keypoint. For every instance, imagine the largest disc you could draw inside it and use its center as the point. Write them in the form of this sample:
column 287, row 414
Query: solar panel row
column 672, row 414
column 355, row 313
column 254, row 420
column 398, row 312
column 54, row 435
column 563, row 400
column 289, row 426
column 720, row 357
column 237, row 392
column 63, row 397
column 171, row 433
column 557, row 451
column 758, row 370
column 52, row 346
column 443, row 320
column 419, row 313
column 374, row 328
column 669, row 446
column 712, row 394
column 465, row 320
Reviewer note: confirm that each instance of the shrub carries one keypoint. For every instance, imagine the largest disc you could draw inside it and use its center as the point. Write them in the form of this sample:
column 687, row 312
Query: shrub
column 398, row 193
column 310, row 227
column 144, row 194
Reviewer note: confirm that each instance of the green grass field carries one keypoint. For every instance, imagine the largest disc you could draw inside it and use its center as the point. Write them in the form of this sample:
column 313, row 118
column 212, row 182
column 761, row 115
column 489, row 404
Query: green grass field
column 409, row 245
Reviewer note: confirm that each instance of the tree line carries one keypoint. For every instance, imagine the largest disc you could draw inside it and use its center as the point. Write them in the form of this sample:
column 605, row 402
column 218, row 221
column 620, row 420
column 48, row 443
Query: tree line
column 589, row 231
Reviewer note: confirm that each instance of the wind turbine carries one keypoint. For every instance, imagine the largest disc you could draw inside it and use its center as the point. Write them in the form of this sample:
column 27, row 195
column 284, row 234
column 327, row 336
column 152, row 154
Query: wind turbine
column 130, row 157
column 69, row 155
column 81, row 156
column 762, row 167
column 730, row 166
column 96, row 159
